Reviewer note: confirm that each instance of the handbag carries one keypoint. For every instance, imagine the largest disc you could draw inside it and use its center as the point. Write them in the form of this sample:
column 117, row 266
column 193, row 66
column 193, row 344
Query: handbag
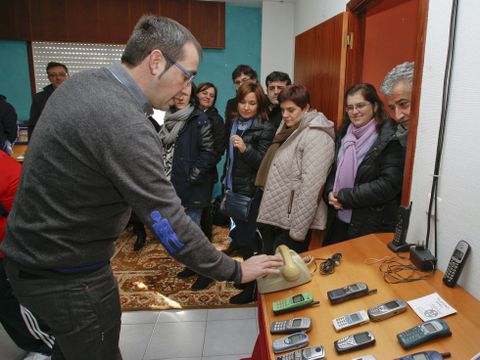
column 236, row 206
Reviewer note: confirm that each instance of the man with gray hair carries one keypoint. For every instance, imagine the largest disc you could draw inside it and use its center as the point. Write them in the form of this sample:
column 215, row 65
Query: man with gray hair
column 87, row 166
column 397, row 87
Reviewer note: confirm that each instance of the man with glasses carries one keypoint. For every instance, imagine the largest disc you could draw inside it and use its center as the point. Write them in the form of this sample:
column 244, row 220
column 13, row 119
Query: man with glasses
column 57, row 74
column 89, row 164
column 397, row 87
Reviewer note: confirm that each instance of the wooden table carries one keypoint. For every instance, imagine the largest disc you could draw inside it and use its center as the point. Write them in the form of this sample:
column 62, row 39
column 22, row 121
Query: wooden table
column 19, row 150
column 465, row 324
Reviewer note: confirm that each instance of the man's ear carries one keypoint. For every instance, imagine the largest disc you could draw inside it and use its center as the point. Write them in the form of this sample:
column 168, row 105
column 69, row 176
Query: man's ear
column 156, row 62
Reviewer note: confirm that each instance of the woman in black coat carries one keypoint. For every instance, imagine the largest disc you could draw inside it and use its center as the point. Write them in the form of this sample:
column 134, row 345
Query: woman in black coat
column 189, row 153
column 364, row 186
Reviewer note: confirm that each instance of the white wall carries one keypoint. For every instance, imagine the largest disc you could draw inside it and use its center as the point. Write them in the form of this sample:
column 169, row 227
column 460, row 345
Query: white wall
column 309, row 13
column 459, row 190
column 278, row 43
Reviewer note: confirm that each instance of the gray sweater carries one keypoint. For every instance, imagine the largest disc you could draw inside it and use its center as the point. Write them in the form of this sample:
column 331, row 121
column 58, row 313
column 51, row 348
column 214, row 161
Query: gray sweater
column 93, row 158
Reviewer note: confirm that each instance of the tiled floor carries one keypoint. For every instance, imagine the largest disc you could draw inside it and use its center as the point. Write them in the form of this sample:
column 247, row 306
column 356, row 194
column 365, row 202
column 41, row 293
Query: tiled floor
column 217, row 334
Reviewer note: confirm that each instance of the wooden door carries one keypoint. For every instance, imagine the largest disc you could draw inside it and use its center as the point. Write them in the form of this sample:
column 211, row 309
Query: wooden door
column 320, row 58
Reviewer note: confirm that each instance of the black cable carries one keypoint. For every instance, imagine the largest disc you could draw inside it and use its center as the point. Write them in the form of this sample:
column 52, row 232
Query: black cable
column 443, row 120
column 327, row 267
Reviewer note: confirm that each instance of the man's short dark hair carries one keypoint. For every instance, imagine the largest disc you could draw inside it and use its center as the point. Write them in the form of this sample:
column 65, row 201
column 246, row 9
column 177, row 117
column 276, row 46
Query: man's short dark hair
column 244, row 69
column 278, row 76
column 53, row 64
column 157, row 32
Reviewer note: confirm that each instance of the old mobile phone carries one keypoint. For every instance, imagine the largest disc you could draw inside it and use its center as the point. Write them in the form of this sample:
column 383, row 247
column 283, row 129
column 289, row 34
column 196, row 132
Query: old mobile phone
column 387, row 309
column 310, row 353
column 348, row 292
column 293, row 303
column 350, row 320
column 354, row 342
column 365, row 357
column 398, row 244
column 289, row 342
column 292, row 325
column 456, row 263
column 423, row 332
column 426, row 355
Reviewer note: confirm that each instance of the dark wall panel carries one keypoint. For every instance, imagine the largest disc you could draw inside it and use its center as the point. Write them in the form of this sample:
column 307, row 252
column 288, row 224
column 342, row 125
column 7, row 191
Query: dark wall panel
column 106, row 21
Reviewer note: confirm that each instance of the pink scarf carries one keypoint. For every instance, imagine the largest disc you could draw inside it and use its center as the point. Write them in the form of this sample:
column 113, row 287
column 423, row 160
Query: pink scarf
column 355, row 145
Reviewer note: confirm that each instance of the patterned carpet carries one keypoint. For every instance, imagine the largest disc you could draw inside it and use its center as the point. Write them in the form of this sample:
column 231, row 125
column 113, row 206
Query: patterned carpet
column 147, row 278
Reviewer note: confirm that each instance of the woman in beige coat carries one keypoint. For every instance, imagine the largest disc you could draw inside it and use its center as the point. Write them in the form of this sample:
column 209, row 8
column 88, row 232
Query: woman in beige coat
column 293, row 173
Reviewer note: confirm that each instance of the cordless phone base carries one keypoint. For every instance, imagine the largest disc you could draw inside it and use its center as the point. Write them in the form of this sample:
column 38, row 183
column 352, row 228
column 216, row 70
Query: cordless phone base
column 399, row 248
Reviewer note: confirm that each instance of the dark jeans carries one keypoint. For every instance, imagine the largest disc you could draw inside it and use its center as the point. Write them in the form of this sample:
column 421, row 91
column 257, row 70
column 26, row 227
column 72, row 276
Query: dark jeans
column 274, row 236
column 336, row 232
column 244, row 233
column 13, row 323
column 82, row 309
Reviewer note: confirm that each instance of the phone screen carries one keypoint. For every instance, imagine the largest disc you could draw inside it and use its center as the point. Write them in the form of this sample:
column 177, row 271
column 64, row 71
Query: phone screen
column 391, row 305
column 361, row 338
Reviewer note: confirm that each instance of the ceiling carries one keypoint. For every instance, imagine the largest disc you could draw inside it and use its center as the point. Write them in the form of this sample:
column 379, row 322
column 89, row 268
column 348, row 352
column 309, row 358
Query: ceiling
column 251, row 3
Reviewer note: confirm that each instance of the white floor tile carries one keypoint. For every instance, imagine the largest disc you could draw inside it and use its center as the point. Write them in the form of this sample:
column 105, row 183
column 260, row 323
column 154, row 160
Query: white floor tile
column 232, row 313
column 227, row 357
column 139, row 317
column 230, row 337
column 134, row 340
column 182, row 315
column 176, row 340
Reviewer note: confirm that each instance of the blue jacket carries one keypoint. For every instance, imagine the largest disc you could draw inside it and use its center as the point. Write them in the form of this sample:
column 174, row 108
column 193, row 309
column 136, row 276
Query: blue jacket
column 194, row 157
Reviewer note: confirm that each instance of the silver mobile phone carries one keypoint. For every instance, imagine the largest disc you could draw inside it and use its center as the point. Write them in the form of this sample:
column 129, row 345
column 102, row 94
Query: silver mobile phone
column 387, row 309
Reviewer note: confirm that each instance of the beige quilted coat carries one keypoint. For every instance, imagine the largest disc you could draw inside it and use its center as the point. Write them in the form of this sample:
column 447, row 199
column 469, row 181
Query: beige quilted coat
column 291, row 198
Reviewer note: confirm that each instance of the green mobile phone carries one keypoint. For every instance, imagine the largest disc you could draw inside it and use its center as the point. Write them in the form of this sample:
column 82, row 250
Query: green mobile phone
column 293, row 303
column 423, row 332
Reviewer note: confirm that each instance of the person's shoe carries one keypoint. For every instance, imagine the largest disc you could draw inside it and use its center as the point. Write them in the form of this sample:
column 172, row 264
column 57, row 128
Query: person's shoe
column 201, row 283
column 37, row 356
column 231, row 249
column 246, row 296
column 186, row 273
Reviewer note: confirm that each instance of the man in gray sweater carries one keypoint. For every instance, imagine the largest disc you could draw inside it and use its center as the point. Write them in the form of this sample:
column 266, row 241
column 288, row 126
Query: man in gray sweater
column 88, row 165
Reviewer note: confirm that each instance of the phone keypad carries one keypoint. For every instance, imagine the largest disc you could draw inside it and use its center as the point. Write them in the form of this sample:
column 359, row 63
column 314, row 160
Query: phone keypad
column 411, row 335
column 279, row 325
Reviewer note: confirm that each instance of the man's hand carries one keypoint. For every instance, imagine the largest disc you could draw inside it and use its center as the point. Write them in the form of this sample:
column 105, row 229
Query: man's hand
column 260, row 265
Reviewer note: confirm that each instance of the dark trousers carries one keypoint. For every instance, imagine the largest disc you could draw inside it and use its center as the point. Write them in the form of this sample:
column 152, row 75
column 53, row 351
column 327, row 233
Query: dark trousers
column 245, row 232
column 13, row 323
column 82, row 309
column 274, row 236
column 337, row 232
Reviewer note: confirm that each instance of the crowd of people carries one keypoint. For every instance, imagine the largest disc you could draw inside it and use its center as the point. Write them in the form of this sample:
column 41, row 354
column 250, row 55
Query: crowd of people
column 287, row 171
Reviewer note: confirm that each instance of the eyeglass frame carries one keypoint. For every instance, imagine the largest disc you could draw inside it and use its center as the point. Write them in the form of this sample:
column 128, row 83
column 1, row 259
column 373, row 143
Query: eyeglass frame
column 359, row 106
column 185, row 71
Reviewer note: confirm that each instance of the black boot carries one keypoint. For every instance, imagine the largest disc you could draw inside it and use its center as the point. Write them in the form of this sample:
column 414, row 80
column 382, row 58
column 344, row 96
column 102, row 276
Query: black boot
column 246, row 296
column 141, row 238
column 186, row 273
column 201, row 283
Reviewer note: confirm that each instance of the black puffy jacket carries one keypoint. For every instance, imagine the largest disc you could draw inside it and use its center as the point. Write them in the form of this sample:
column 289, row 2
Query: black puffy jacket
column 257, row 138
column 193, row 160
column 39, row 101
column 375, row 197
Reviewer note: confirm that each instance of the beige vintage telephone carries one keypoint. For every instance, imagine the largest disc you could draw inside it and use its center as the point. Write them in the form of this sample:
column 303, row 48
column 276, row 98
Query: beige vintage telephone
column 293, row 273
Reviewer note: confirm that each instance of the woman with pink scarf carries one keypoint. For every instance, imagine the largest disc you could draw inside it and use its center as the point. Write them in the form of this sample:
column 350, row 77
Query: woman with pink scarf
column 364, row 186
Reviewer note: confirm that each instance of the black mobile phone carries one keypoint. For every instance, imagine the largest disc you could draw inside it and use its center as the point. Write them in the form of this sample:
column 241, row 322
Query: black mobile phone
column 354, row 342
column 399, row 244
column 456, row 263
column 348, row 292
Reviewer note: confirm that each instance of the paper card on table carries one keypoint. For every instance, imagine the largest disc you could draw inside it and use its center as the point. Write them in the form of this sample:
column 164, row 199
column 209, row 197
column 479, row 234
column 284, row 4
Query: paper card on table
column 431, row 307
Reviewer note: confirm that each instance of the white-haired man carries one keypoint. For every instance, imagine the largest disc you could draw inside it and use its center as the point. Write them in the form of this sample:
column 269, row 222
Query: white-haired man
column 397, row 87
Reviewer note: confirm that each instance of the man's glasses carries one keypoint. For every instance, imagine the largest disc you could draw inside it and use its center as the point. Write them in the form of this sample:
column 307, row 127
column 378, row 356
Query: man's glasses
column 359, row 107
column 189, row 76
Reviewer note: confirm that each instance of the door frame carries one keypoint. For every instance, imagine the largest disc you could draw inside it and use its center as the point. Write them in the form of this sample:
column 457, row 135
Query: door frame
column 358, row 10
